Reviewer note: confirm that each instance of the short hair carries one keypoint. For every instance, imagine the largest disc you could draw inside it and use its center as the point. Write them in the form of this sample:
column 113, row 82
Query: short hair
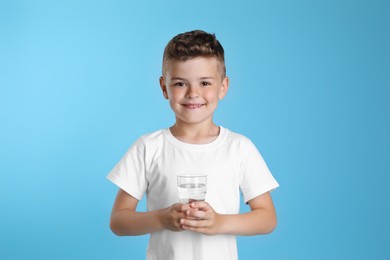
column 194, row 44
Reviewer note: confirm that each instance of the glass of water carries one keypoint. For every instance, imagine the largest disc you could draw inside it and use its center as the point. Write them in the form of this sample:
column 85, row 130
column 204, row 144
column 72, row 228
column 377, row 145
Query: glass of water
column 191, row 188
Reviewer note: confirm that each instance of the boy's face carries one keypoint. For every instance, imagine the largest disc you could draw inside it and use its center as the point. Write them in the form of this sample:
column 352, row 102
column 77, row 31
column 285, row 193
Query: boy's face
column 193, row 88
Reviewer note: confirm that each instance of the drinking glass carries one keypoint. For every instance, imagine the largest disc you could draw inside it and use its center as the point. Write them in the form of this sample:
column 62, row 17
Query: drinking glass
column 191, row 188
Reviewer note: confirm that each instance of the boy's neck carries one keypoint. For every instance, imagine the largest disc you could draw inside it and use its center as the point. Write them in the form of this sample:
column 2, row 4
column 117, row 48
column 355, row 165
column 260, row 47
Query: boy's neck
column 195, row 134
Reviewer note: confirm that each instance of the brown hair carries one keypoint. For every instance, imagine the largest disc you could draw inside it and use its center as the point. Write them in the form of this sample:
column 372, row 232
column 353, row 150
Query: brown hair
column 194, row 44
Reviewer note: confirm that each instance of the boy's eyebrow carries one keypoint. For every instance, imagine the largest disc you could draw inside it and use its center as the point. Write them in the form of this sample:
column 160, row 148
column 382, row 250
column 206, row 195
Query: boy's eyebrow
column 177, row 78
column 202, row 78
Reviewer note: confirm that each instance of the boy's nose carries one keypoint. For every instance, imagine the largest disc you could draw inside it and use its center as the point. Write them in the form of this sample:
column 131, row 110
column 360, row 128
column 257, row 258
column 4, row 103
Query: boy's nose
column 192, row 92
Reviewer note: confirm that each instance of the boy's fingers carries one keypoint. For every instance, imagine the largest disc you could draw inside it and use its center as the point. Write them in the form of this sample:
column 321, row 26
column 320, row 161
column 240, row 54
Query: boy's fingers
column 182, row 207
column 199, row 204
column 196, row 213
column 193, row 223
column 202, row 205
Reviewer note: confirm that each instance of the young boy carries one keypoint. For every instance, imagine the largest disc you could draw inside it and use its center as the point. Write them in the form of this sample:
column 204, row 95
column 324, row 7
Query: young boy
column 193, row 81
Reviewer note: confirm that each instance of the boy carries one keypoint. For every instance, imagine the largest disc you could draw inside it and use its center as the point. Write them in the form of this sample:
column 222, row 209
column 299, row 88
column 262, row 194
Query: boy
column 193, row 81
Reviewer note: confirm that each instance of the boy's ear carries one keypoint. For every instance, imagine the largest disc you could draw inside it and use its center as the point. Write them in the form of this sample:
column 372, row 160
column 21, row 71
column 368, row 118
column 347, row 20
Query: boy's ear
column 163, row 87
column 224, row 88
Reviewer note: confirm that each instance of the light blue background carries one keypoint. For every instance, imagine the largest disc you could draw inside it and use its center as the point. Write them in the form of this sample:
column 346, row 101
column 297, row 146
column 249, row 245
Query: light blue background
column 309, row 85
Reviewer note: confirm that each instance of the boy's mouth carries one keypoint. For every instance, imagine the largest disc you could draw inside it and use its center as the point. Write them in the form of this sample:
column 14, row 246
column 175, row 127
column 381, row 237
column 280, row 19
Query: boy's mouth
column 192, row 106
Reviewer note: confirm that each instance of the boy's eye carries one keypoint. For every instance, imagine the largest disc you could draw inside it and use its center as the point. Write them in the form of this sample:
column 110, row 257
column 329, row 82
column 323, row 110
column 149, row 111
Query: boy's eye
column 179, row 84
column 205, row 83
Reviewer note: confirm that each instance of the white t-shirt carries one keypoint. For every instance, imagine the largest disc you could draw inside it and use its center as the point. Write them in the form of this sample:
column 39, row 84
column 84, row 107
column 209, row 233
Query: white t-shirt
column 231, row 163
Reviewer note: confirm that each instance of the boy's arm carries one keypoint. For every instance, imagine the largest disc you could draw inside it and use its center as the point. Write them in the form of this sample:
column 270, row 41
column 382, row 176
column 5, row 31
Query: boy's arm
column 260, row 220
column 125, row 221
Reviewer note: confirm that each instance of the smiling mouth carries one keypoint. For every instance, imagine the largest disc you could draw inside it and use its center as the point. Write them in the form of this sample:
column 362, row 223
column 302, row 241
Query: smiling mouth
column 192, row 106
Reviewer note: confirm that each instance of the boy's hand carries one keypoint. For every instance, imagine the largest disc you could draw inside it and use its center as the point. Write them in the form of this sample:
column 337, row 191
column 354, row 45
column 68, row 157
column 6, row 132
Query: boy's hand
column 170, row 217
column 200, row 217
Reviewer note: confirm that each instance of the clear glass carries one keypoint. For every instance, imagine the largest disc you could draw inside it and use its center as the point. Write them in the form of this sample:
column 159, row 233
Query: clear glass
column 191, row 188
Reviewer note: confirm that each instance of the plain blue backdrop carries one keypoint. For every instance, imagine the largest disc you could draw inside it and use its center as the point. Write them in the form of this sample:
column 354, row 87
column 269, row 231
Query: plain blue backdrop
column 310, row 85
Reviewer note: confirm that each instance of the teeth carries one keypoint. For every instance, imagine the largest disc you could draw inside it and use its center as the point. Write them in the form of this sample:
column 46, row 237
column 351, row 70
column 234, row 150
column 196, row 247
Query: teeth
column 193, row 106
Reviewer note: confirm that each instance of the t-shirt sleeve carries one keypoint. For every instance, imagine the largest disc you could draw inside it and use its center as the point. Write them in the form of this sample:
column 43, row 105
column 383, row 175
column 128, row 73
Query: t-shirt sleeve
column 129, row 173
column 255, row 177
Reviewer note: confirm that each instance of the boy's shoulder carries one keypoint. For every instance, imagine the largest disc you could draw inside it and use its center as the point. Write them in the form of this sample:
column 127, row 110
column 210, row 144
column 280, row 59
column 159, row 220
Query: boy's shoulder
column 152, row 137
column 237, row 137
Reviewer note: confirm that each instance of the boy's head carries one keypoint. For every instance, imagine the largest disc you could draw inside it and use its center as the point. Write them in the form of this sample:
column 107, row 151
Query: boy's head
column 194, row 44
column 194, row 77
